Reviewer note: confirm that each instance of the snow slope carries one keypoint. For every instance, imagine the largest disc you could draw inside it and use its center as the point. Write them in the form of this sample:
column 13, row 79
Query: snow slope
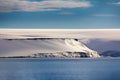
column 18, row 47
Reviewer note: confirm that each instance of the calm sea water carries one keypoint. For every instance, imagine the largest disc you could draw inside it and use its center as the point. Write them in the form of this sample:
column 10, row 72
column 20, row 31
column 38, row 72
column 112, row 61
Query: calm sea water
column 59, row 69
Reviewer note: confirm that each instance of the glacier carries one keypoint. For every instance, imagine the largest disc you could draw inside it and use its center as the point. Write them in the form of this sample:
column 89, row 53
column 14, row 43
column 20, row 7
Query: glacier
column 29, row 46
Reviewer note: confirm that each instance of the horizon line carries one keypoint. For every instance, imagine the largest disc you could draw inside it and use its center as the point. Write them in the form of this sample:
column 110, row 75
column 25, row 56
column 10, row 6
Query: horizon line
column 55, row 29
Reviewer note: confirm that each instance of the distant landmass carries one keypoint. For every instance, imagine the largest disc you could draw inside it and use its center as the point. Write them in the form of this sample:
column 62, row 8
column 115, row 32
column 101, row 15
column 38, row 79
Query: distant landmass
column 111, row 54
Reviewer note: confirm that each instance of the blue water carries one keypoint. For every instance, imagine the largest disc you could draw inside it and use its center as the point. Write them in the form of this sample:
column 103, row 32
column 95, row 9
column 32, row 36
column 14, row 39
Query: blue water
column 59, row 69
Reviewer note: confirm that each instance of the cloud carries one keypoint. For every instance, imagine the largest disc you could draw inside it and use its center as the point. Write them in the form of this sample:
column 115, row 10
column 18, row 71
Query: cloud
column 105, row 15
column 67, row 13
column 117, row 3
column 44, row 5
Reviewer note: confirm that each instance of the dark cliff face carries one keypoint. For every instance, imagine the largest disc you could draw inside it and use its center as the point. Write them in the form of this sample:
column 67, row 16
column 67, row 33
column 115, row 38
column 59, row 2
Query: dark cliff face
column 111, row 54
column 63, row 55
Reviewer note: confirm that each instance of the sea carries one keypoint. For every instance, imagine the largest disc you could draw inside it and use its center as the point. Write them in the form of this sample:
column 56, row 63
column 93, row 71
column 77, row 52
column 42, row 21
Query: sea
column 59, row 69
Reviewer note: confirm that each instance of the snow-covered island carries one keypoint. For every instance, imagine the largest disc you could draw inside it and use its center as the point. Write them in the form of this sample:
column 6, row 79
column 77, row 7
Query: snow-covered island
column 70, row 48
column 36, row 43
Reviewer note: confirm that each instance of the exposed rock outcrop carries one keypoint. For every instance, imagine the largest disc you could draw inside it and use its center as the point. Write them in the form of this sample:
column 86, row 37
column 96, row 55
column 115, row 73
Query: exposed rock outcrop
column 66, row 55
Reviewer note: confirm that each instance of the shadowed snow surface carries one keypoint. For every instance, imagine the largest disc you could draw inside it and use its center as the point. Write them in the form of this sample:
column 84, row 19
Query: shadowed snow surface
column 27, row 47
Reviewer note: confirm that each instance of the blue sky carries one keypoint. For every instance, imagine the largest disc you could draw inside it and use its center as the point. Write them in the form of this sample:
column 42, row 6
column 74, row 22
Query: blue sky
column 64, row 14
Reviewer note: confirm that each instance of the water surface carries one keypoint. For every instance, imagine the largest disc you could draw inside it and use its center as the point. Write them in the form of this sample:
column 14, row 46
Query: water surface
column 59, row 69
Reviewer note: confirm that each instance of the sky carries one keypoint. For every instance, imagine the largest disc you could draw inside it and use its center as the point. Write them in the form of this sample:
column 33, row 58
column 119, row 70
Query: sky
column 60, row 14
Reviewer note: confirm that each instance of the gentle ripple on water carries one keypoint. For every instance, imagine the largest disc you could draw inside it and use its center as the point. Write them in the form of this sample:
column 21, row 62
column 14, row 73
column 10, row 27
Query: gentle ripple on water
column 59, row 69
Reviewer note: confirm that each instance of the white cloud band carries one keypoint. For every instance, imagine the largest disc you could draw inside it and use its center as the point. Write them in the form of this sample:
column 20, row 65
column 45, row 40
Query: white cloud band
column 117, row 3
column 105, row 15
column 45, row 5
